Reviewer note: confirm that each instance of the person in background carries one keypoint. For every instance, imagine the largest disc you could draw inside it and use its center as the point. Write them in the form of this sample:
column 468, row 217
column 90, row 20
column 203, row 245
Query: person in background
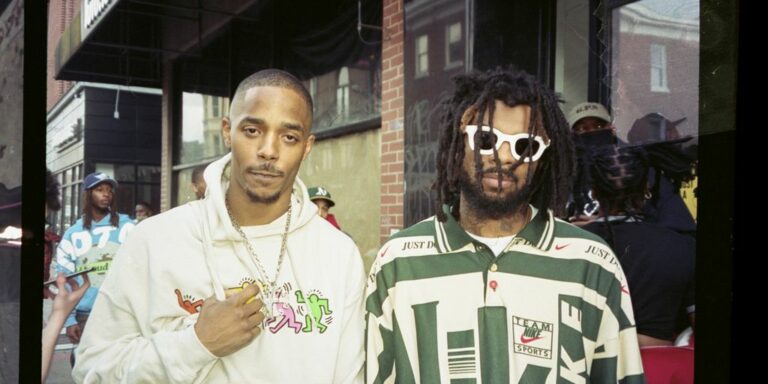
column 143, row 211
column 591, row 126
column 92, row 241
column 659, row 263
column 51, row 238
column 591, row 118
column 665, row 206
column 198, row 182
column 322, row 198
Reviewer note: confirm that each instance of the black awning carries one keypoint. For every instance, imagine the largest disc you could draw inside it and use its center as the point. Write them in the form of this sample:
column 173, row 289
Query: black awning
column 216, row 43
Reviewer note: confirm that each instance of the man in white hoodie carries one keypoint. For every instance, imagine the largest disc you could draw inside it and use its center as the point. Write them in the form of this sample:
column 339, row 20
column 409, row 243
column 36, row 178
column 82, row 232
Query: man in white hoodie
column 249, row 284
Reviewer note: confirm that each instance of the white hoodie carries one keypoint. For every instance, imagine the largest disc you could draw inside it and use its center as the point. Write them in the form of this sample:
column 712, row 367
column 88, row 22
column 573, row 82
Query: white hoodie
column 141, row 328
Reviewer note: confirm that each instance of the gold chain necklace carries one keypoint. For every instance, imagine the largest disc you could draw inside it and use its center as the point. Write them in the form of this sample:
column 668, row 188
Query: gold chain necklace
column 269, row 285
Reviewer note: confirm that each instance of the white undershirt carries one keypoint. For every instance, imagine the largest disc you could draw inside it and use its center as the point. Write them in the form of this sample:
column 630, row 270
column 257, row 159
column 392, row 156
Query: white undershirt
column 499, row 244
column 496, row 244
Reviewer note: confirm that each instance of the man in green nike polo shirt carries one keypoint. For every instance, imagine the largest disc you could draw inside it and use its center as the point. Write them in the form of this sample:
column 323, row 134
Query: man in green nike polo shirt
column 494, row 288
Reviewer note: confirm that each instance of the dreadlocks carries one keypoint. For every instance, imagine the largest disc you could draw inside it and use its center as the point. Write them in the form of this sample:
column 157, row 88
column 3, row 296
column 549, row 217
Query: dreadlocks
column 475, row 95
column 619, row 178
column 114, row 219
column 619, row 175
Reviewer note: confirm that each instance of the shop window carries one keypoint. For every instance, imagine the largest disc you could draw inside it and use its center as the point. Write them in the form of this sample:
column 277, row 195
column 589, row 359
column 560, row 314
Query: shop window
column 135, row 183
column 183, row 191
column 654, row 69
column 572, row 52
column 70, row 180
column 201, row 126
column 148, row 174
column 346, row 96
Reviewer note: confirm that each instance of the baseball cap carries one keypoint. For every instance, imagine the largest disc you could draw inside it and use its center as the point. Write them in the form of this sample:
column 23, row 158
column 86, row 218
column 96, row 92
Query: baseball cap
column 97, row 178
column 588, row 109
column 653, row 127
column 316, row 193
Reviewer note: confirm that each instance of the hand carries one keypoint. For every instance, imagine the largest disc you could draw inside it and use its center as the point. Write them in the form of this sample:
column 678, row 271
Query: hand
column 224, row 327
column 63, row 303
column 74, row 332
column 66, row 300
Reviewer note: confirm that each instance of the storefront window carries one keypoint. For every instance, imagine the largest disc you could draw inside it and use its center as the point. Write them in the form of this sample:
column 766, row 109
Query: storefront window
column 201, row 141
column 572, row 52
column 201, row 128
column 655, row 70
column 70, row 180
column 184, row 191
column 136, row 183
column 655, row 75
column 346, row 96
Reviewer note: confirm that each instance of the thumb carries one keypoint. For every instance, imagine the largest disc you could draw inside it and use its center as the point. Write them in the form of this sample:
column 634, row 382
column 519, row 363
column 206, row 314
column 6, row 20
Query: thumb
column 86, row 281
column 61, row 282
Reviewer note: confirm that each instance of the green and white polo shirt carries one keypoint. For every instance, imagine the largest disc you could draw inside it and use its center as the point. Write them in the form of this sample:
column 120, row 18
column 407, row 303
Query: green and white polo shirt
column 552, row 308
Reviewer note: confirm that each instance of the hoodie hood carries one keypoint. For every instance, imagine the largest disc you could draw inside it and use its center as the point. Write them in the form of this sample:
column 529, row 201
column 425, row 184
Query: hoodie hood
column 217, row 178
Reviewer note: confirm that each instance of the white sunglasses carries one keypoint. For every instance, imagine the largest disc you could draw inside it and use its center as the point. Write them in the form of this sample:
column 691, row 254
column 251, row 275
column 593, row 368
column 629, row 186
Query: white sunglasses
column 527, row 147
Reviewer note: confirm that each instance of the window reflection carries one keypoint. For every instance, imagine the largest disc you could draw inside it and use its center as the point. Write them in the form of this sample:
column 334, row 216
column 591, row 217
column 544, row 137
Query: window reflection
column 454, row 50
column 572, row 52
column 201, row 127
column 436, row 49
column 348, row 95
column 655, row 69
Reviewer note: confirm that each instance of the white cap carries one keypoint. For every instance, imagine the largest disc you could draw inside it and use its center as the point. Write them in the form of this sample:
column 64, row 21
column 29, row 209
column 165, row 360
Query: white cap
column 588, row 109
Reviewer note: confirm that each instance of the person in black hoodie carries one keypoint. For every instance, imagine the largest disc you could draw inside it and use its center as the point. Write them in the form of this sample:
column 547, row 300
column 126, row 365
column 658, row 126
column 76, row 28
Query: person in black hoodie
column 658, row 262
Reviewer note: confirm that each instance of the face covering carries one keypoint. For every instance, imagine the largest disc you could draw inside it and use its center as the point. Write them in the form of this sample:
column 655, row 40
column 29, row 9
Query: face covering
column 596, row 138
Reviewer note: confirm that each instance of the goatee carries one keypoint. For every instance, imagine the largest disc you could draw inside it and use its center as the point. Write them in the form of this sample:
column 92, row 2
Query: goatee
column 255, row 198
column 496, row 207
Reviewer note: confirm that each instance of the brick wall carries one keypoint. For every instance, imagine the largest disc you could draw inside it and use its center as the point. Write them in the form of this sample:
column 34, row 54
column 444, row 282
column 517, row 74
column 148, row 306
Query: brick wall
column 392, row 110
column 60, row 14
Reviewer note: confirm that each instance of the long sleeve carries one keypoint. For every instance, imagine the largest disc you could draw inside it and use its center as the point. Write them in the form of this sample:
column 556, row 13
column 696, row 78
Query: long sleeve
column 617, row 352
column 351, row 357
column 379, row 341
column 119, row 346
column 67, row 262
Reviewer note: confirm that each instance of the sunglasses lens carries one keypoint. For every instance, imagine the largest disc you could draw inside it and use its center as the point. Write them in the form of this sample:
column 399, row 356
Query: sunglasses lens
column 487, row 140
column 526, row 147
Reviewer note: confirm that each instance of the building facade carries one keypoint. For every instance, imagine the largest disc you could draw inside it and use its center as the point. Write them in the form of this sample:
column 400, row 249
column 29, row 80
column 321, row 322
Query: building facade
column 107, row 128
column 377, row 71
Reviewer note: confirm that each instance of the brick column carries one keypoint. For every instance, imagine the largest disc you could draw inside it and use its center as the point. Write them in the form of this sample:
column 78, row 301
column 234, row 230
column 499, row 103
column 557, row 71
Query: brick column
column 171, row 111
column 392, row 111
column 60, row 14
